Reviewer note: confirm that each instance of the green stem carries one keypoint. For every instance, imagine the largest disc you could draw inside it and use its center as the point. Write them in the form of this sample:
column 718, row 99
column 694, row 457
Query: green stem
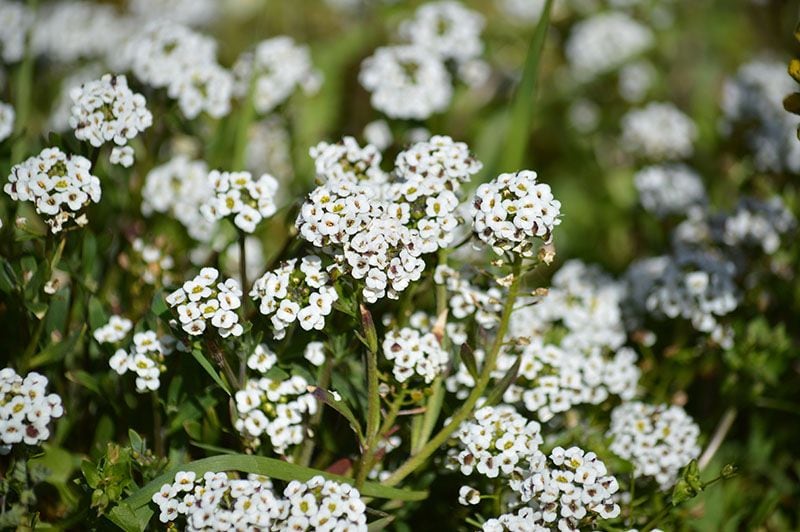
column 158, row 433
column 373, row 416
column 308, row 446
column 433, row 406
column 418, row 459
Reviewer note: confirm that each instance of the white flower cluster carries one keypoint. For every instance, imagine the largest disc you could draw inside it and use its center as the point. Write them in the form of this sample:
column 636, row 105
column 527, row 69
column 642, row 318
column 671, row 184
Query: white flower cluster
column 658, row 439
column 180, row 188
column 428, row 178
column 274, row 408
column 106, row 110
column 189, row 12
column 524, row 520
column 670, row 189
column 447, row 29
column 406, row 82
column 293, row 292
column 414, row 352
column 62, row 108
column 6, row 121
column 152, row 265
column 695, row 285
column 347, row 161
column 497, row 441
column 467, row 300
column 552, row 380
column 146, row 359
column 753, row 98
column 25, row 409
column 217, row 502
column 658, row 131
column 114, row 331
column 758, row 223
column 60, row 186
column 583, row 300
column 66, row 32
column 635, row 79
column 279, row 66
column 238, row 195
column 16, row 20
column 569, row 486
column 324, row 505
column 202, row 298
column 514, row 209
column 366, row 235
column 604, row 42
column 171, row 56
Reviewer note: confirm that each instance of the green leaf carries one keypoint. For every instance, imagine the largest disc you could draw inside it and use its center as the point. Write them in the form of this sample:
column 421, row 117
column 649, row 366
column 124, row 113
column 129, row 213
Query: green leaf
column 521, row 110
column 129, row 519
column 56, row 351
column 261, row 465
column 159, row 306
column 85, row 379
column 340, row 406
column 97, row 315
column 380, row 524
column 206, row 365
column 496, row 394
column 468, row 358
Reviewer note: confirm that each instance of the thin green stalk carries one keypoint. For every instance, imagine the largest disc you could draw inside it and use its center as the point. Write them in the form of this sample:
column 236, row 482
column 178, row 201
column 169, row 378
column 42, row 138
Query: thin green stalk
column 433, row 406
column 308, row 446
column 373, row 396
column 418, row 459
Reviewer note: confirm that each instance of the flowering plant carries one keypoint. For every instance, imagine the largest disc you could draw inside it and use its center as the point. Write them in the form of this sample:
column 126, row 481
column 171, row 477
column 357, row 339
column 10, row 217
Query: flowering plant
column 349, row 265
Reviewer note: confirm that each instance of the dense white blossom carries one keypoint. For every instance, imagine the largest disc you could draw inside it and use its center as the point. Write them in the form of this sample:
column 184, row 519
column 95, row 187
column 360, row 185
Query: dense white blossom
column 414, row 352
column 216, row 502
column 658, row 131
column 26, row 409
column 513, row 210
column 279, row 66
column 466, row 299
column 497, row 441
column 6, row 121
column 203, row 299
column 106, row 110
column 753, row 99
column 145, row 359
column 567, row 486
column 274, row 408
column 171, row 56
column 295, row 292
column 658, row 439
column 447, row 29
column 604, row 42
column 238, row 196
column 180, row 188
column 758, row 223
column 669, row 189
column 59, row 185
column 406, row 82
column 76, row 29
column 114, row 331
column 320, row 504
column 346, row 160
column 189, row 12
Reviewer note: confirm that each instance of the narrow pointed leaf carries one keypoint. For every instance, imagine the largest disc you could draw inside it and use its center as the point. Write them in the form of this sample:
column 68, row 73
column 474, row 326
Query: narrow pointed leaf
column 496, row 394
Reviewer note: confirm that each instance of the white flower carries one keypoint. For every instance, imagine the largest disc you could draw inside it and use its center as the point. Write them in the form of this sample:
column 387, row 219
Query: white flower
column 378, row 134
column 291, row 293
column 179, row 188
column 447, row 29
column 605, row 41
column 106, row 110
column 468, row 496
column 114, row 331
column 658, row 440
column 208, row 301
column 59, row 185
column 406, row 82
column 658, row 131
column 279, row 66
column 6, row 120
column 239, row 196
column 26, row 409
column 16, row 20
column 122, row 156
column 669, row 189
column 513, row 210
column 315, row 353
column 415, row 352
